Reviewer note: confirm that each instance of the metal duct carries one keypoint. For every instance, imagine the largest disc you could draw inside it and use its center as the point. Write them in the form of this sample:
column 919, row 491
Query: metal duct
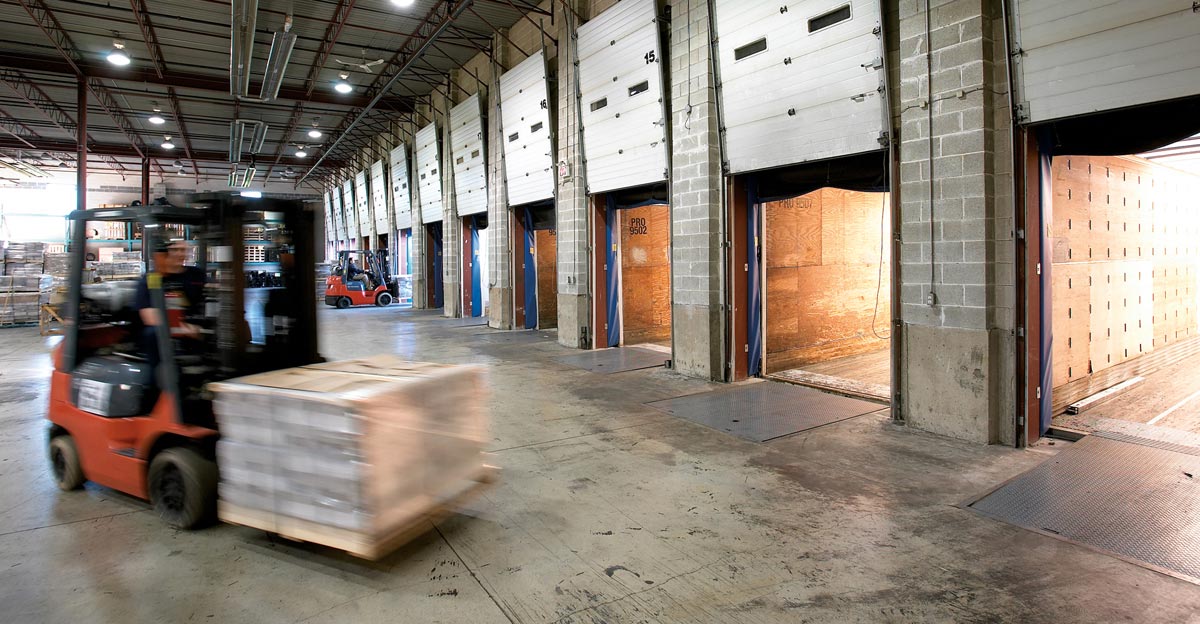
column 281, row 51
column 237, row 137
column 243, row 21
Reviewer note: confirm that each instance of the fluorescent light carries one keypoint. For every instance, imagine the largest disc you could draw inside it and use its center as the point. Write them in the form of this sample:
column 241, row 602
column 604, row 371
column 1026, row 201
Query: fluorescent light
column 301, row 154
column 314, row 133
column 252, row 194
column 118, row 56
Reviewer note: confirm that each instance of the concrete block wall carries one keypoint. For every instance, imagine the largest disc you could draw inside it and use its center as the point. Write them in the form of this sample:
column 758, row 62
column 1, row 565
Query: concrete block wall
column 574, row 299
column 697, row 289
column 499, row 230
column 956, row 260
column 423, row 115
column 451, row 224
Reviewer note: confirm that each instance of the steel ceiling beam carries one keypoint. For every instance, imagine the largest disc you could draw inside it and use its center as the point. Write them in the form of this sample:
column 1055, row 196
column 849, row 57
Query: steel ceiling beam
column 179, row 80
column 183, row 133
column 341, row 13
column 297, row 113
column 121, row 150
column 142, row 15
column 434, row 24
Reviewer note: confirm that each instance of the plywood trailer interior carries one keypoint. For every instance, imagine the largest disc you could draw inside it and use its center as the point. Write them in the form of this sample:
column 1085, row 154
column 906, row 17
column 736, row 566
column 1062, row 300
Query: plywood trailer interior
column 645, row 274
column 546, row 259
column 1125, row 250
column 826, row 266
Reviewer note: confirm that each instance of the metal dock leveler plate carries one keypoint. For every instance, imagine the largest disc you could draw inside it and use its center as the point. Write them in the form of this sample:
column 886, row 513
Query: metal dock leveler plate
column 525, row 112
column 470, row 166
column 429, row 175
column 362, row 203
column 1136, row 498
column 621, row 85
column 764, row 411
column 401, row 194
column 801, row 82
column 379, row 199
column 616, row 360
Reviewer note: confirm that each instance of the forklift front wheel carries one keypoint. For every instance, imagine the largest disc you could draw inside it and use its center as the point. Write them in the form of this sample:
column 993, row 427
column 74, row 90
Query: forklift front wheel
column 183, row 487
column 383, row 300
column 343, row 303
column 64, row 462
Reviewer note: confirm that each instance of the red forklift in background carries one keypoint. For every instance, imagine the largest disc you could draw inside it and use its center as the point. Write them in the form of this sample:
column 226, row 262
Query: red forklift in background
column 379, row 286
column 149, row 430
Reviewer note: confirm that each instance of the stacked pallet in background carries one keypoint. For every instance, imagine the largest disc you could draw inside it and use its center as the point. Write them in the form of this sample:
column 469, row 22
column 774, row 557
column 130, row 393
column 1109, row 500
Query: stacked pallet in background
column 323, row 270
column 123, row 265
column 357, row 455
column 22, row 297
column 24, row 259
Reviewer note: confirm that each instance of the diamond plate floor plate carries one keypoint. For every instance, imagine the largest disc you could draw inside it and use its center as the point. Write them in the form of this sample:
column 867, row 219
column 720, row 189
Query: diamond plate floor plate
column 764, row 411
column 616, row 360
column 1137, row 499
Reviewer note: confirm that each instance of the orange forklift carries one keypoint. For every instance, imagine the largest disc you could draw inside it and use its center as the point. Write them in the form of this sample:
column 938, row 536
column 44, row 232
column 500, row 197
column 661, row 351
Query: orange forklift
column 148, row 430
column 378, row 285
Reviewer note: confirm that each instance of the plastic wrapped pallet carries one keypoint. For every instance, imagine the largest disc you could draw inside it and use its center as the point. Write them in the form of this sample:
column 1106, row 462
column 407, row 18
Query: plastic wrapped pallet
column 57, row 264
column 349, row 454
column 26, row 253
column 23, row 268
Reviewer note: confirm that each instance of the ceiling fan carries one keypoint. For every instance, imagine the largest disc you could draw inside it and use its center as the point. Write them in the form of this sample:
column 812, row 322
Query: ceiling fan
column 365, row 65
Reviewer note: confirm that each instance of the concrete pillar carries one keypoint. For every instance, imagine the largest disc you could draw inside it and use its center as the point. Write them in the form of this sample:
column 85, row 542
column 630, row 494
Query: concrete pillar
column 451, row 225
column 956, row 275
column 574, row 294
column 697, row 314
column 499, row 230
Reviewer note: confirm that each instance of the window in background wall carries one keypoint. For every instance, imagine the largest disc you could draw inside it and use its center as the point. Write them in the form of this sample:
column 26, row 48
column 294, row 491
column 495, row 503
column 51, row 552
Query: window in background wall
column 36, row 214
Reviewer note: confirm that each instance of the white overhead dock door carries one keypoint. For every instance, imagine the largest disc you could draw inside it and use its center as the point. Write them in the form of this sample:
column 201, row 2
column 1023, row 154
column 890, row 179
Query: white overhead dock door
column 429, row 181
column 1086, row 56
column 330, row 230
column 362, row 203
column 339, row 220
column 379, row 197
column 466, row 148
column 621, row 85
column 350, row 208
column 401, row 196
column 525, row 116
column 800, row 82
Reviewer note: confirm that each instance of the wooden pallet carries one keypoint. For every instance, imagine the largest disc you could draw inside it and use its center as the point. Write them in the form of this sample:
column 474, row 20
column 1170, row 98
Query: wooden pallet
column 357, row 543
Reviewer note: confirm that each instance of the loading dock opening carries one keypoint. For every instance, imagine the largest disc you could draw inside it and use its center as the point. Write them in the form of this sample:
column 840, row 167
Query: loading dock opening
column 632, row 267
column 474, row 265
column 535, row 262
column 433, row 264
column 1111, row 269
column 811, row 285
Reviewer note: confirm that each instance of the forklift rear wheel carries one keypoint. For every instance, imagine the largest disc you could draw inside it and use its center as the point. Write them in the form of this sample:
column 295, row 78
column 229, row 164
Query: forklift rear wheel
column 383, row 300
column 183, row 487
column 64, row 461
column 343, row 303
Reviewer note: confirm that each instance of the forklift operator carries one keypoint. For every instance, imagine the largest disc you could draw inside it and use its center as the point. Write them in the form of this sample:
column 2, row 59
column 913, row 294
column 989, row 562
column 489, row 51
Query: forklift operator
column 183, row 292
column 355, row 274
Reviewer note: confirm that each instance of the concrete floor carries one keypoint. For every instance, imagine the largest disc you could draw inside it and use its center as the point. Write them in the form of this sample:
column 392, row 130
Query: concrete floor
column 607, row 511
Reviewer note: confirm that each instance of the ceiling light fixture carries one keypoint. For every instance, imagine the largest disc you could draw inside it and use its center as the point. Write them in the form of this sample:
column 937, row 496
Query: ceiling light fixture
column 300, row 153
column 404, row 4
column 341, row 86
column 157, row 118
column 167, row 144
column 118, row 56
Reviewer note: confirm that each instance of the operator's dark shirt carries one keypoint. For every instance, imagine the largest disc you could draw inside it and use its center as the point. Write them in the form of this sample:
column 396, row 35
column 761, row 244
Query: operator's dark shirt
column 183, row 292
column 352, row 270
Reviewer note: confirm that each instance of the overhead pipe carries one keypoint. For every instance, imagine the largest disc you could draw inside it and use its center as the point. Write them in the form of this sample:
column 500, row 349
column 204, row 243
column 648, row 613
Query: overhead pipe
column 237, row 137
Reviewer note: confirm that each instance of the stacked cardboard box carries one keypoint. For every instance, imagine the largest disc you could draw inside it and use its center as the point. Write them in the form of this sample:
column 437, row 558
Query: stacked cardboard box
column 122, row 264
column 349, row 454
column 24, row 258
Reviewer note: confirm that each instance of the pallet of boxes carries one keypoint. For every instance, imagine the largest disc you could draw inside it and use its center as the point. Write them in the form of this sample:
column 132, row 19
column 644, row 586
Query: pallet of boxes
column 359, row 455
column 24, row 288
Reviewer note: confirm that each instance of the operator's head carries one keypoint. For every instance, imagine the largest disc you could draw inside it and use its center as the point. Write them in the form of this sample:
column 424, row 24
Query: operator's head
column 169, row 256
